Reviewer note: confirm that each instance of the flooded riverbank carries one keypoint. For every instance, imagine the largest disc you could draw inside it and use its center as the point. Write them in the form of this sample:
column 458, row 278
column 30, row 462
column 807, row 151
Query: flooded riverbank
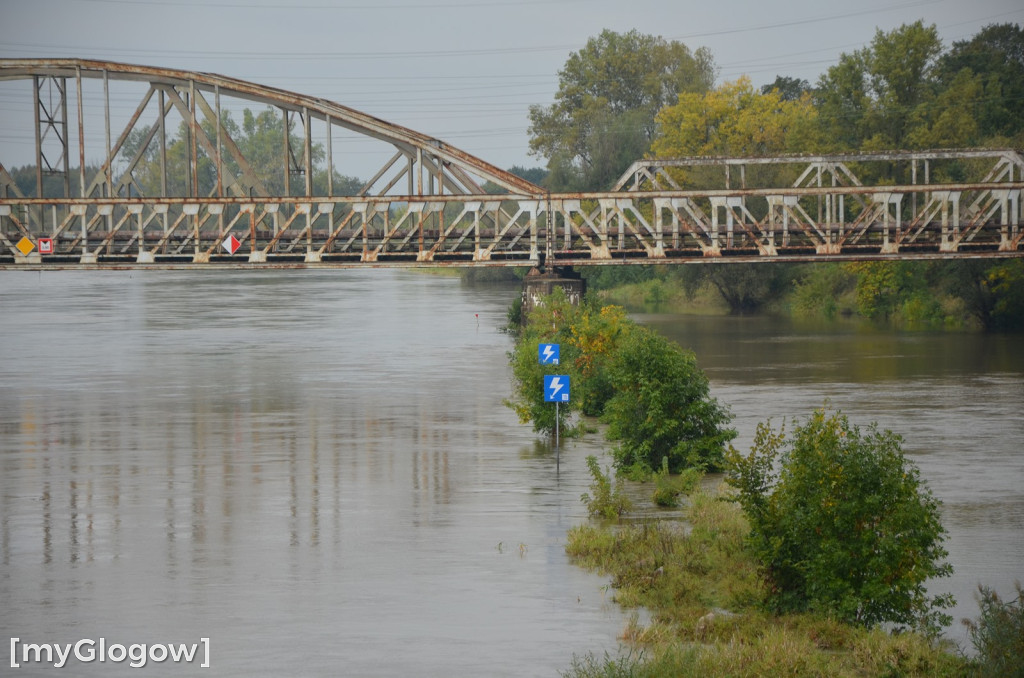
column 316, row 470
column 954, row 397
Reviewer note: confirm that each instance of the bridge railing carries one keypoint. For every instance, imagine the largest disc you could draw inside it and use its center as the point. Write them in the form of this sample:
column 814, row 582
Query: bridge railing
column 802, row 223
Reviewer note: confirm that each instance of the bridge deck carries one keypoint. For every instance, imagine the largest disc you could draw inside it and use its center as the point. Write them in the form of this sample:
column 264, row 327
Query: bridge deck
column 795, row 224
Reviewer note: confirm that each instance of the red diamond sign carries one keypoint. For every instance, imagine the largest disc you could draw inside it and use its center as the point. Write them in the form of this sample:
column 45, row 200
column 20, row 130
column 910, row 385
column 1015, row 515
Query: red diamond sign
column 231, row 244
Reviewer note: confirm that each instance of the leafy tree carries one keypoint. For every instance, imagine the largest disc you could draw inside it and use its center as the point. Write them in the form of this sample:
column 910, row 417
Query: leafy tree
column 1006, row 282
column 596, row 335
column 949, row 121
column 880, row 287
column 995, row 55
column 817, row 291
column 607, row 277
column 548, row 323
column 748, row 288
column 53, row 185
column 735, row 119
column 260, row 140
column 868, row 100
column 790, row 89
column 662, row 408
column 607, row 498
column 603, row 115
column 843, row 523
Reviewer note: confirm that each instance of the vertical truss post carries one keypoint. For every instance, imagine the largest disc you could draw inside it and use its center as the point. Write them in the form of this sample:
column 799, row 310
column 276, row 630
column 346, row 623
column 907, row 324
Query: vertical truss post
column 287, row 153
column 163, row 149
column 193, row 141
column 220, row 151
column 108, row 153
column 419, row 171
column 51, row 119
column 37, row 108
column 330, row 163
column 142, row 256
column 308, row 151
column 549, row 231
column 87, row 257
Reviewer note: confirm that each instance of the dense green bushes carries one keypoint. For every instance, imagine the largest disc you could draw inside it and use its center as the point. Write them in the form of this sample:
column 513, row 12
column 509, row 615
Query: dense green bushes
column 662, row 408
column 843, row 524
column 961, row 294
column 651, row 393
column 703, row 589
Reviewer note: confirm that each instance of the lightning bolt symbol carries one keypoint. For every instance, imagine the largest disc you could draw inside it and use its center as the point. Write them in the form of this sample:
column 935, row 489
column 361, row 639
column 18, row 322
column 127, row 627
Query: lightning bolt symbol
column 556, row 386
column 548, row 353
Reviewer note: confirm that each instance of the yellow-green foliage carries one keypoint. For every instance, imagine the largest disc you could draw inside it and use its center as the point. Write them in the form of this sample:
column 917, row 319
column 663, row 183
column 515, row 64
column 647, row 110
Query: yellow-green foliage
column 701, row 583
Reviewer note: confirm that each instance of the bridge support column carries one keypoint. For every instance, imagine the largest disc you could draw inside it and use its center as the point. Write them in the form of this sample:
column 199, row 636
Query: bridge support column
column 541, row 282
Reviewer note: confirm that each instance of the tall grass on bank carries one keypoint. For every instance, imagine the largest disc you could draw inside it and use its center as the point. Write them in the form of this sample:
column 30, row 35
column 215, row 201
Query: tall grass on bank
column 701, row 584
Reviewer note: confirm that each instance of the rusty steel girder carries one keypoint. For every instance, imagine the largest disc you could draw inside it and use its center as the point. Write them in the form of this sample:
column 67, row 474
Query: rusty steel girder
column 426, row 205
column 429, row 160
column 519, row 230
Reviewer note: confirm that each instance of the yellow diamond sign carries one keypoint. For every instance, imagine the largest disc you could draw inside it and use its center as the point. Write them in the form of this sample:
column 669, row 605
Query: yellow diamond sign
column 26, row 246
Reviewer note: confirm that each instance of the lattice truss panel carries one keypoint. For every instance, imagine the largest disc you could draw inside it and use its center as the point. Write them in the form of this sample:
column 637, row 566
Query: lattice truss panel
column 942, row 201
column 175, row 186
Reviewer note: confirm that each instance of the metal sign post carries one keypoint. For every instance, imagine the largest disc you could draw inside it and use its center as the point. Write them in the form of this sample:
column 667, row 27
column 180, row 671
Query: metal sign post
column 556, row 390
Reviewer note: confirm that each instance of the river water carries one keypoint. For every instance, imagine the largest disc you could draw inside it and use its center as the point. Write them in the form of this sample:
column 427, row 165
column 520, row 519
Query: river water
column 315, row 470
column 955, row 398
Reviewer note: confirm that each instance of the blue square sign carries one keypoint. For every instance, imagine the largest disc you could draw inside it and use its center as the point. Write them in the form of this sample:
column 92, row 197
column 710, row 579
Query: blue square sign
column 556, row 388
column 547, row 354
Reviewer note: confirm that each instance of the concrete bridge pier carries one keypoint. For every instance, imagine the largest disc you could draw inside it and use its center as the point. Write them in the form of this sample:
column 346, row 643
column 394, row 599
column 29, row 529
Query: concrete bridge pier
column 542, row 281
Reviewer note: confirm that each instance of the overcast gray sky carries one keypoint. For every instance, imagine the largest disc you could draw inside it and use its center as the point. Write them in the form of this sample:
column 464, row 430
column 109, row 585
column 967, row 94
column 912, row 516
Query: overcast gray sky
column 465, row 71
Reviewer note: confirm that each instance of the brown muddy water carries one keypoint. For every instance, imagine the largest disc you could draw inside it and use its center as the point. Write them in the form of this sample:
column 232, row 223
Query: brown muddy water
column 956, row 399
column 315, row 470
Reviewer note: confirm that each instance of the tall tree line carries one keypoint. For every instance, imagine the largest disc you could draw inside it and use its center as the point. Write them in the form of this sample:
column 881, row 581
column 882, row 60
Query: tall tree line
column 629, row 96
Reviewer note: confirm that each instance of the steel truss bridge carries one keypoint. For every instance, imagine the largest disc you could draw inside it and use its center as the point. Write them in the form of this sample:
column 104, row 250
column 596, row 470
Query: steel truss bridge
column 175, row 186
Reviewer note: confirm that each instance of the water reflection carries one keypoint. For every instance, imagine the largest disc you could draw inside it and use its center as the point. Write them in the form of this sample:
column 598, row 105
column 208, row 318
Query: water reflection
column 321, row 461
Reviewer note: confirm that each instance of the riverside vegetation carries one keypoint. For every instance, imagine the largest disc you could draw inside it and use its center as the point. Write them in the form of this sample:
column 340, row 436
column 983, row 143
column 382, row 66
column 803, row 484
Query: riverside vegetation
column 938, row 295
column 810, row 559
column 627, row 96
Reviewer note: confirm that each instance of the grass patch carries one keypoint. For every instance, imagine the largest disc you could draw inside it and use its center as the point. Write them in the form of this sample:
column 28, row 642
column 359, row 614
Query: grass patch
column 701, row 584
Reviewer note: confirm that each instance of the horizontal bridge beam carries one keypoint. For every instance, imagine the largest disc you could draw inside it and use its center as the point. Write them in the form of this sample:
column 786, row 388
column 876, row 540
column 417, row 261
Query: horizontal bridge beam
column 791, row 224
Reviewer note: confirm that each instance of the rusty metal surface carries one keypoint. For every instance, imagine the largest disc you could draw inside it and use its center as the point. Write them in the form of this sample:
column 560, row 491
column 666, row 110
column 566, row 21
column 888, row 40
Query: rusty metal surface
column 426, row 207
column 585, row 228
column 320, row 109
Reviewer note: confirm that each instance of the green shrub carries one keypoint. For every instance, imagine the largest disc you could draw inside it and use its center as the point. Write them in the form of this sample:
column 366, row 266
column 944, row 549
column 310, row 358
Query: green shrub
column 606, row 498
column 662, row 407
column 845, row 527
column 998, row 635
column 548, row 323
column 668, row 488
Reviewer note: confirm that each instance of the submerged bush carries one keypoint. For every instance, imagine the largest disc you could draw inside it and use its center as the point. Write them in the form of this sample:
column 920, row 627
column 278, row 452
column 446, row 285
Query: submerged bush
column 998, row 635
column 669, row 488
column 606, row 498
column 846, row 527
column 662, row 408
